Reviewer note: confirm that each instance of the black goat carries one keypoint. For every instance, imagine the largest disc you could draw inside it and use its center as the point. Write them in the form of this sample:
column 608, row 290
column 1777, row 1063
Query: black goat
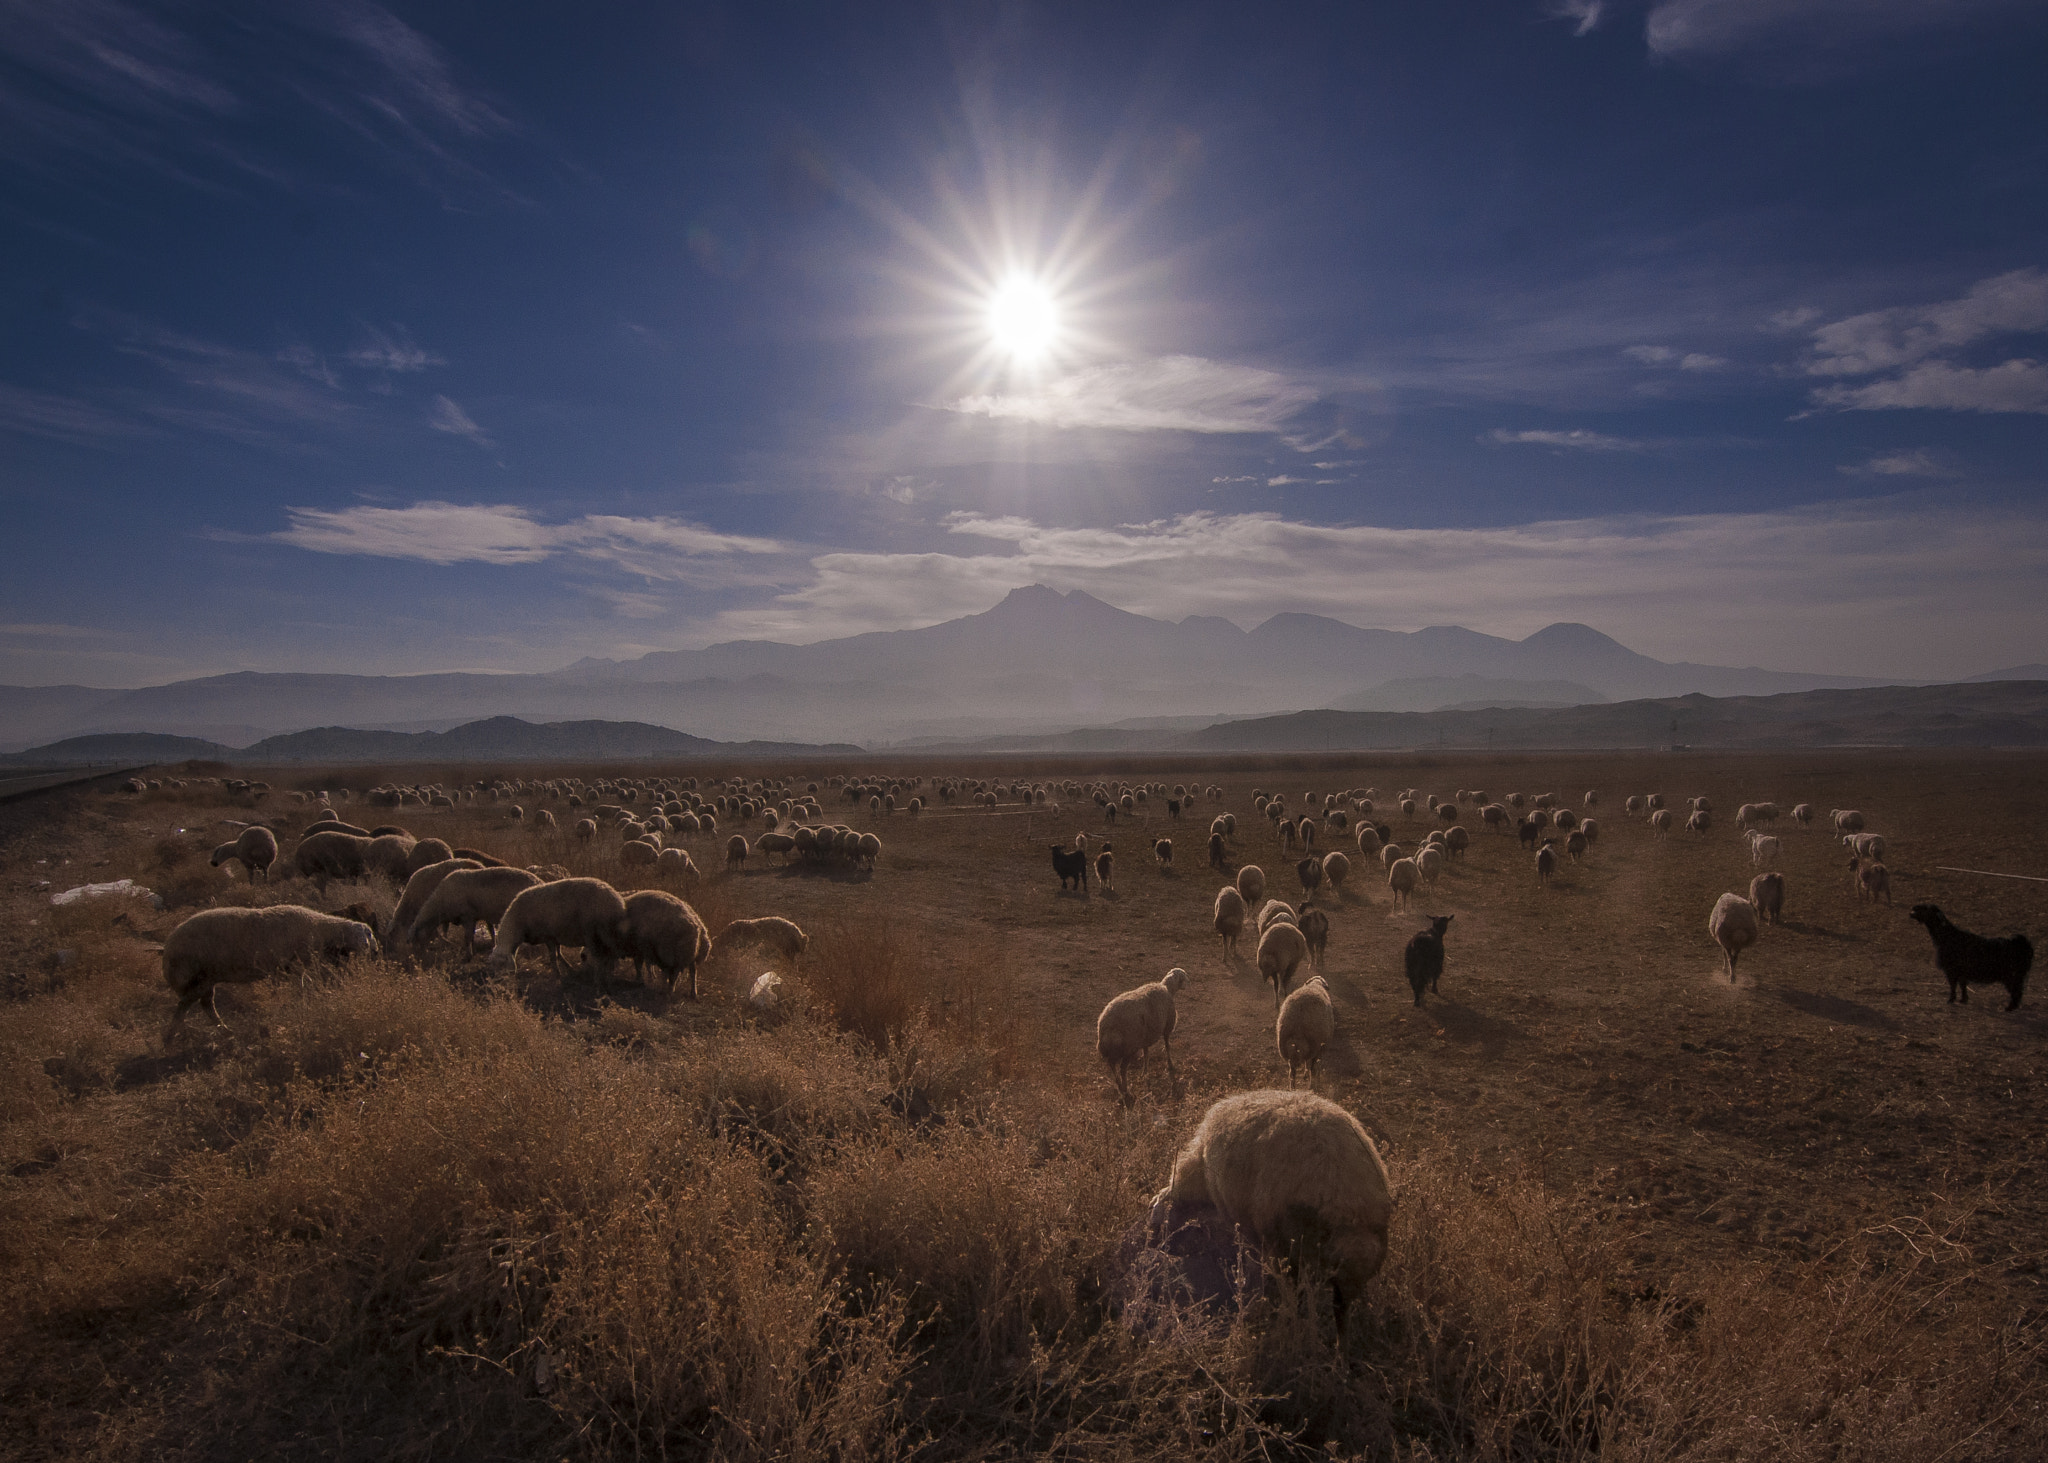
column 1425, row 956
column 1071, row 867
column 1968, row 959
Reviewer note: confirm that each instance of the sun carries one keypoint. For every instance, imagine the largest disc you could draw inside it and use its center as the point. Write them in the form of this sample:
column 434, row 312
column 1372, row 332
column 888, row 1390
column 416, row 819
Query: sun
column 1024, row 319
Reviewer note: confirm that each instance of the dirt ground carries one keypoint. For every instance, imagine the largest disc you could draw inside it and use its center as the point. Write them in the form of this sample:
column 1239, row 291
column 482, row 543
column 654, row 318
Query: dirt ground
column 1585, row 1031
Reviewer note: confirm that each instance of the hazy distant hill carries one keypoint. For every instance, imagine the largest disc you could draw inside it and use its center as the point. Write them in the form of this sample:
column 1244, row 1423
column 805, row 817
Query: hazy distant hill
column 1037, row 662
column 1437, row 693
column 499, row 739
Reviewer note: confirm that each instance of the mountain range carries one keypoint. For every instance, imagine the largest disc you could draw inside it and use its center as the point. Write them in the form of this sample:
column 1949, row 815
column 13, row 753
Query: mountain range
column 1038, row 662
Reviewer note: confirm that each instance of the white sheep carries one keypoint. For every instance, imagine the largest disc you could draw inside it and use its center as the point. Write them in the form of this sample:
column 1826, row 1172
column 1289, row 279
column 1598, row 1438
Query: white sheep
column 770, row 932
column 1402, row 878
column 1315, row 928
column 1336, row 869
column 1865, row 845
column 1298, row 1172
column 1873, row 880
column 418, row 889
column 663, row 931
column 256, row 848
column 1733, row 924
column 1282, row 948
column 1251, row 883
column 1847, row 820
column 1429, row 862
column 1132, row 1022
column 1275, row 911
column 218, row 947
column 1660, row 822
column 1802, row 814
column 1767, row 893
column 1368, row 841
column 1763, row 850
column 1229, row 918
column 466, row 898
column 581, row 912
column 1306, row 1022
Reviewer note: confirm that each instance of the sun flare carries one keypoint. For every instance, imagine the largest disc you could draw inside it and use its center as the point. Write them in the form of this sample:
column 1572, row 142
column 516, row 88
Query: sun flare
column 1024, row 319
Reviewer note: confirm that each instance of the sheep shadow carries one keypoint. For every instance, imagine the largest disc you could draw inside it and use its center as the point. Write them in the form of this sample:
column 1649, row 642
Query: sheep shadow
column 1469, row 1027
column 831, row 873
column 1800, row 927
column 1835, row 1008
column 146, row 1069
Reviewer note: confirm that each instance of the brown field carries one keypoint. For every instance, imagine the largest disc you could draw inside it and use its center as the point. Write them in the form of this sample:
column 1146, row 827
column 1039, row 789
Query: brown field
column 1642, row 1213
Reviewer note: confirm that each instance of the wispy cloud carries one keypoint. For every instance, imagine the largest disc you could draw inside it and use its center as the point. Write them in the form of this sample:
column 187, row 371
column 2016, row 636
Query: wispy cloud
column 392, row 350
column 1584, row 14
column 1908, row 462
column 452, row 419
column 1165, row 394
column 1575, row 441
column 1881, row 586
column 1664, row 355
column 1914, row 350
column 669, row 549
column 1714, row 29
column 61, row 418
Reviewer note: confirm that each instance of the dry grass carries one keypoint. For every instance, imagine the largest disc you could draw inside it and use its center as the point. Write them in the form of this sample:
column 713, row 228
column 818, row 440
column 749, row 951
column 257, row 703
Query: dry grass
column 409, row 1213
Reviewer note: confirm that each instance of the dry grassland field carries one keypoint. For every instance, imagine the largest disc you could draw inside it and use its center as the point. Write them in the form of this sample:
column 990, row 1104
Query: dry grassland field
column 413, row 1209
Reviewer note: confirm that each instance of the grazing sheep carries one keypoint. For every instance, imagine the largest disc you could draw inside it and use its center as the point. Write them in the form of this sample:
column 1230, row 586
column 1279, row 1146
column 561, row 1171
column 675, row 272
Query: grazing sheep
column 325, row 856
column 1105, row 868
column 1162, row 852
column 1391, row 854
column 1660, row 822
column 255, row 846
column 868, row 848
column 736, row 851
column 333, row 825
column 1300, row 1174
column 1429, row 862
column 781, row 843
column 1546, row 861
column 465, row 898
column 418, row 890
column 1368, row 841
column 479, row 857
column 1310, row 872
column 1306, row 1022
column 1132, row 1022
column 1402, row 878
column 218, row 947
column 1802, row 813
column 1315, row 928
column 580, row 912
column 1873, row 881
column 1632, row 804
column 1424, row 957
column 1733, row 925
column 1847, row 820
column 1527, row 832
column 1229, row 918
column 1275, row 909
column 1869, row 845
column 771, row 932
column 638, row 854
column 1654, row 801
column 1071, row 867
column 1592, row 800
column 586, row 829
column 1763, row 850
column 1968, row 959
column 1251, row 883
column 1336, row 869
column 1282, row 948
column 674, row 863
column 1575, row 845
column 426, row 851
column 1767, row 893
column 1699, row 822
column 663, row 931
column 1591, row 828
column 1218, row 855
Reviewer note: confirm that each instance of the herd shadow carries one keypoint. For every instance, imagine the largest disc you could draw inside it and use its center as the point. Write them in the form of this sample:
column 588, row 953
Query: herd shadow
column 1835, row 1008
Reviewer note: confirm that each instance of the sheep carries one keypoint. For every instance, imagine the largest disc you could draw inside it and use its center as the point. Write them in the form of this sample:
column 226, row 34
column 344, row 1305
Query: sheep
column 1733, row 925
column 781, row 843
column 1336, row 869
column 1228, row 921
column 1660, row 822
column 1429, row 862
column 1162, row 853
column 1251, row 883
column 1654, row 801
column 418, row 889
column 638, row 854
column 736, row 852
column 1218, row 854
column 333, row 825
column 1698, row 822
column 255, row 846
column 466, row 897
column 1309, row 872
column 585, row 829
column 772, row 932
column 1847, row 820
column 580, row 912
column 868, row 848
column 1105, row 868
column 1527, row 832
column 1546, row 861
column 1575, row 845
column 1592, row 800
column 240, row 946
column 325, row 856
column 426, row 851
column 1299, row 1173
column 1071, row 867
column 1315, row 928
column 1802, row 814
column 1873, row 880
column 1402, row 878
column 1282, row 948
column 1590, row 827
column 1869, row 845
column 1275, row 910
column 1306, row 1022
column 1632, row 803
column 1767, row 893
column 675, row 863
column 663, row 931
column 1763, row 850
column 1391, row 854
column 1368, row 841
column 545, row 819
column 1424, row 956
column 1132, row 1022
column 1968, row 959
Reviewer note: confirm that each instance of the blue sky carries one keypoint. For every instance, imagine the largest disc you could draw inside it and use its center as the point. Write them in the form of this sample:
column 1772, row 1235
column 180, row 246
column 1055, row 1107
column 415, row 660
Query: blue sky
column 435, row 337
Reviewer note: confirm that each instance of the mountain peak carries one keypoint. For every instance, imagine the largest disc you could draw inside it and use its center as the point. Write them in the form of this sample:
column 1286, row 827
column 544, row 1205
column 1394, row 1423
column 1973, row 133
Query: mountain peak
column 1571, row 635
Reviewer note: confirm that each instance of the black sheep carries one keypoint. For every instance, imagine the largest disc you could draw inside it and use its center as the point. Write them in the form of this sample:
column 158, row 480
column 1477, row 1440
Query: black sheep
column 1425, row 956
column 1968, row 959
column 1070, row 867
